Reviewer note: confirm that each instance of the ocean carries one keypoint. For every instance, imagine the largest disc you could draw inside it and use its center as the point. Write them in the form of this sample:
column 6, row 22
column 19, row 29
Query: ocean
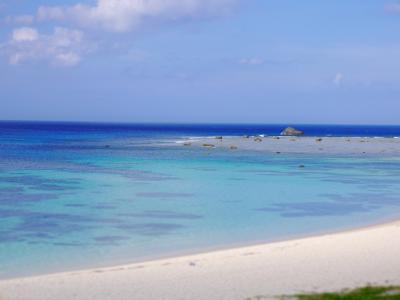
column 85, row 195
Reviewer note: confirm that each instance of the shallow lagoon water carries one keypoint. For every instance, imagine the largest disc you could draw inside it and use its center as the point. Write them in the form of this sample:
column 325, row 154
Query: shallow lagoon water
column 77, row 196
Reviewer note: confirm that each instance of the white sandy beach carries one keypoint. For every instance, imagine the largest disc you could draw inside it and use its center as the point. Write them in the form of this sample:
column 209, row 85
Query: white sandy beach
column 322, row 263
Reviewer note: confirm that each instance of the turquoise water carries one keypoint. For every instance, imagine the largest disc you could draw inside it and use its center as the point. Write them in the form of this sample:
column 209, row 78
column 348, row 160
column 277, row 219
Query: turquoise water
column 72, row 198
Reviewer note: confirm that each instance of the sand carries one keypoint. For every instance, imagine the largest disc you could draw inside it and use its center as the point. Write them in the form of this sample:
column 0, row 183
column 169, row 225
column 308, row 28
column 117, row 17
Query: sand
column 322, row 263
column 304, row 145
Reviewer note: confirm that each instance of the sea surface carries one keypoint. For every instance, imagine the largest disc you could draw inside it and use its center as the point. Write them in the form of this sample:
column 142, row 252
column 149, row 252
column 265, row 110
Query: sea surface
column 81, row 195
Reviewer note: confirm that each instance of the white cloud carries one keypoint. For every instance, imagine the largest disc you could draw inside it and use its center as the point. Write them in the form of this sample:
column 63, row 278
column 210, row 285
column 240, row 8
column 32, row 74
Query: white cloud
column 253, row 61
column 393, row 8
column 66, row 47
column 22, row 19
column 68, row 58
column 25, row 34
column 338, row 79
column 63, row 47
column 126, row 15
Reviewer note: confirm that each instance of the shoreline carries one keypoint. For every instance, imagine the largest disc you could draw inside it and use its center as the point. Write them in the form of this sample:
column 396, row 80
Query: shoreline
column 212, row 249
column 35, row 286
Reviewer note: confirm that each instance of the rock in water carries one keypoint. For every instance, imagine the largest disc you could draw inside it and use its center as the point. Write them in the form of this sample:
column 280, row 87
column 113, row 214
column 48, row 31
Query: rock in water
column 290, row 131
column 209, row 145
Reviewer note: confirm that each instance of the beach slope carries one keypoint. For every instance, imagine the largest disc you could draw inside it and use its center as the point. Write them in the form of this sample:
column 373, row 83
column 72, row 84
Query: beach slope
column 322, row 263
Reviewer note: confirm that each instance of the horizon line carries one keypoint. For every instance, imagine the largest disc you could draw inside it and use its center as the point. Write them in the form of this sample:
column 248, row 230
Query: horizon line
column 192, row 123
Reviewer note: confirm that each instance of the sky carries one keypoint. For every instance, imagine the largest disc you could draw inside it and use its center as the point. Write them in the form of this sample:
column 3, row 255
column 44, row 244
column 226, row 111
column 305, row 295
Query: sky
column 201, row 61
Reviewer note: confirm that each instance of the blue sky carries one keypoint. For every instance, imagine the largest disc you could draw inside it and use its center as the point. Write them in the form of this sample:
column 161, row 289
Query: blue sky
column 253, row 61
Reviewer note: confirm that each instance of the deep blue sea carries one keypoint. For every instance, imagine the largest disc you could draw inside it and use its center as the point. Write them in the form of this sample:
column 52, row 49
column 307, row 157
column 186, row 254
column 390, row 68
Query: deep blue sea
column 80, row 195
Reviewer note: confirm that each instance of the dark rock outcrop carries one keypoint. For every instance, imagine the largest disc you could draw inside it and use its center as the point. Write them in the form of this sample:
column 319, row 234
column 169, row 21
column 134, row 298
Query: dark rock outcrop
column 290, row 131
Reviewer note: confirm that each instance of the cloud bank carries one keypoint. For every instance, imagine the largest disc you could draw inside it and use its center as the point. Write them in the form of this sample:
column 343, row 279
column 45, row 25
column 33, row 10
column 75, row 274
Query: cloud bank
column 66, row 47
column 63, row 47
column 127, row 15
